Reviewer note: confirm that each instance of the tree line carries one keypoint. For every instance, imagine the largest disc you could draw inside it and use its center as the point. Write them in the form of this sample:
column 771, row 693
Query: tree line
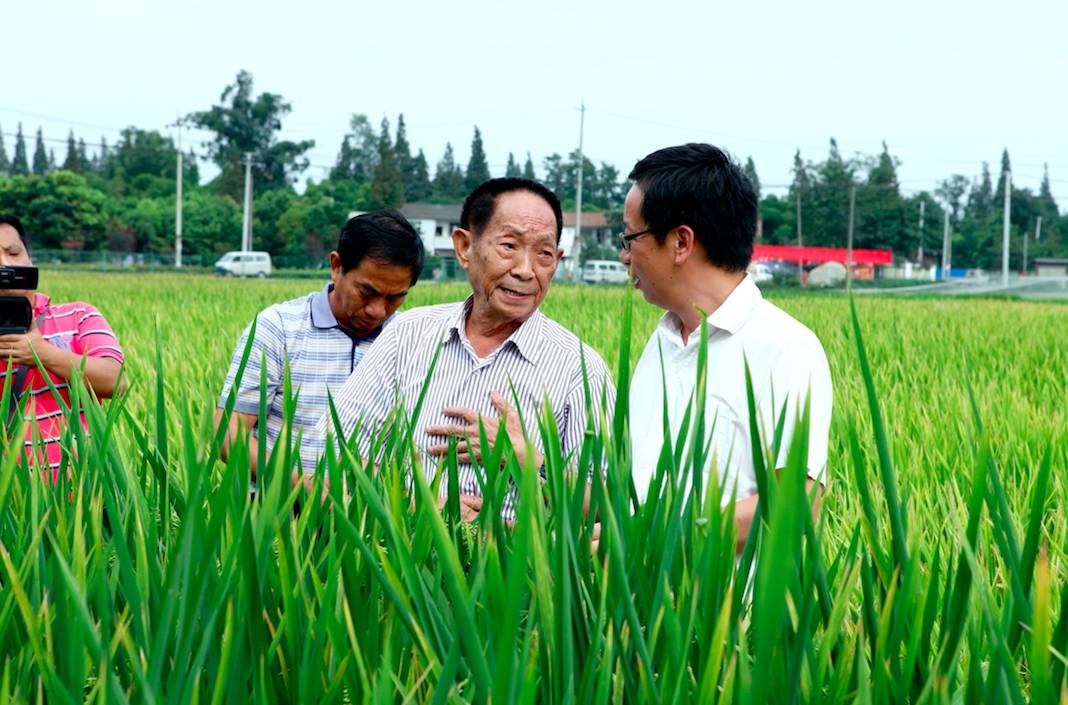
column 120, row 197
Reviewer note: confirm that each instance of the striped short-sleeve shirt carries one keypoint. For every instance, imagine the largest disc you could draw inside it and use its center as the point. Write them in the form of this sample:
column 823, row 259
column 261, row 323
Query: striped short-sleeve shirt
column 541, row 360
column 321, row 356
column 76, row 328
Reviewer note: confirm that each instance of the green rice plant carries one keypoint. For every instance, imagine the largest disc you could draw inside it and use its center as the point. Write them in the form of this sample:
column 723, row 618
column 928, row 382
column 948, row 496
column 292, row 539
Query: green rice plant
column 934, row 572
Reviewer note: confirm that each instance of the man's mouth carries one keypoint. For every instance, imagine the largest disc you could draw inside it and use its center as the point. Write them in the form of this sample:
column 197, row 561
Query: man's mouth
column 637, row 280
column 515, row 295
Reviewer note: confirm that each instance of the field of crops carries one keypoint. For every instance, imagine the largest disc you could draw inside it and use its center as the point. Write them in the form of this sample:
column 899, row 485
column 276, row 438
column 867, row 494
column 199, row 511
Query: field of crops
column 936, row 571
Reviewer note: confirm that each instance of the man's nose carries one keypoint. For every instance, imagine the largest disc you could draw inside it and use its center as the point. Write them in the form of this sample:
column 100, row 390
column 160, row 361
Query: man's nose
column 624, row 256
column 377, row 308
column 523, row 267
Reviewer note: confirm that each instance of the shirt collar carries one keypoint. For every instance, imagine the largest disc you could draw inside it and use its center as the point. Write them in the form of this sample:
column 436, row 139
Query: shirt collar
column 734, row 311
column 40, row 303
column 322, row 316
column 730, row 316
column 525, row 338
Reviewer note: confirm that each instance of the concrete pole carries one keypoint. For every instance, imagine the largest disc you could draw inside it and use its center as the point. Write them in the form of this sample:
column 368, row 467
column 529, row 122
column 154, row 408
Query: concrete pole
column 800, row 243
column 246, row 227
column 920, row 253
column 178, row 179
column 1005, row 230
column 577, row 249
column 945, row 247
column 849, row 237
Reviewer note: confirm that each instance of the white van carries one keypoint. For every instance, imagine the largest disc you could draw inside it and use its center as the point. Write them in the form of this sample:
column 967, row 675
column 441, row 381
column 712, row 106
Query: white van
column 244, row 264
column 604, row 271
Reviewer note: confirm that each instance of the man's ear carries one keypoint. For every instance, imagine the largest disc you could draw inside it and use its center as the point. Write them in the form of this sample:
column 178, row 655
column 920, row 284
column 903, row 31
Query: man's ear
column 335, row 265
column 461, row 245
column 685, row 242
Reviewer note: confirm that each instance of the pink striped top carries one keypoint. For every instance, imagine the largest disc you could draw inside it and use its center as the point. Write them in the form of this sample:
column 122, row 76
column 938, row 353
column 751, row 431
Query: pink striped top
column 77, row 328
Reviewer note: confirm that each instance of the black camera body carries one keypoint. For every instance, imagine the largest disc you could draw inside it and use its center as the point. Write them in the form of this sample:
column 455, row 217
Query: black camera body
column 16, row 313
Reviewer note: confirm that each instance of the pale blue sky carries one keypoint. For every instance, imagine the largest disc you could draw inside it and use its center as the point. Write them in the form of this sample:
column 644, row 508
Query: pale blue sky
column 946, row 84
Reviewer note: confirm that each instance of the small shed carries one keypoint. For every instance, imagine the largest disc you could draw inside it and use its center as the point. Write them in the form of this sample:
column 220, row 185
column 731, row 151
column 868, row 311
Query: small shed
column 827, row 274
column 1051, row 267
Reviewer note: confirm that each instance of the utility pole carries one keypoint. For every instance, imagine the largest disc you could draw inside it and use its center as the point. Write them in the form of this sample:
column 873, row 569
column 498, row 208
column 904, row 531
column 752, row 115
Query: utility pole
column 1005, row 230
column 849, row 237
column 179, row 177
column 945, row 246
column 919, row 255
column 577, row 248
column 246, row 226
column 1038, row 231
column 800, row 243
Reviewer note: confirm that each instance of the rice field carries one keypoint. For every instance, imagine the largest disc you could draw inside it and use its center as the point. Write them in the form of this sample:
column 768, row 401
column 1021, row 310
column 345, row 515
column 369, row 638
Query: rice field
column 935, row 572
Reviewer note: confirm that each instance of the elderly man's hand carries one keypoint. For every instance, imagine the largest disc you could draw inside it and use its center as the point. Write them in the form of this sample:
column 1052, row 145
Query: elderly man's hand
column 19, row 347
column 467, row 449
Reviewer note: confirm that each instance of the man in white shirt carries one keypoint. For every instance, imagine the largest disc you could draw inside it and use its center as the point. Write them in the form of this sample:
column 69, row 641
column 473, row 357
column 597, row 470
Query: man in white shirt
column 689, row 225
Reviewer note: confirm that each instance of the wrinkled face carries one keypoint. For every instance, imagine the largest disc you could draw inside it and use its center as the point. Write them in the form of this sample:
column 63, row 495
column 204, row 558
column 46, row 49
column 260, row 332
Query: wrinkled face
column 650, row 262
column 511, row 262
column 369, row 293
column 13, row 254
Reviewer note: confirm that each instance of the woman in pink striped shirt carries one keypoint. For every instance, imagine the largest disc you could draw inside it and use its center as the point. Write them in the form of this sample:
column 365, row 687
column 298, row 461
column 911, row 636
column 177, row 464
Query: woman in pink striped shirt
column 64, row 337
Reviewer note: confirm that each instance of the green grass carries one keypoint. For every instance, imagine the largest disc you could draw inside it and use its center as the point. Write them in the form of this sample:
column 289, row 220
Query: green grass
column 935, row 572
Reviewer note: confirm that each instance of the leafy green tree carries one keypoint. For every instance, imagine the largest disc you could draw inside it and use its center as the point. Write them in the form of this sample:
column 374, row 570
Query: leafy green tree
column 421, row 188
column 981, row 198
column 83, row 156
column 211, row 224
column 40, row 156
column 20, row 165
column 608, row 191
column 267, row 210
column 881, row 219
column 311, row 224
column 751, row 172
column 387, row 189
column 951, row 191
column 1044, row 191
column 830, row 202
column 553, row 166
column 448, row 178
column 58, row 209
column 512, row 170
column 778, row 217
column 477, row 166
column 359, row 152
column 406, row 164
column 246, row 124
column 5, row 163
column 528, row 168
column 72, row 162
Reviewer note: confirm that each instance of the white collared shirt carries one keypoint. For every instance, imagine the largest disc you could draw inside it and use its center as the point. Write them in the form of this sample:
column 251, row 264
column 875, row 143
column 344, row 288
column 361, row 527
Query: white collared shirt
column 787, row 364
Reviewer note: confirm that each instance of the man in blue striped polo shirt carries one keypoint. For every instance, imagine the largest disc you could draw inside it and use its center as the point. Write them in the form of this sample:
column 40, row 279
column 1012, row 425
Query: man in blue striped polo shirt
column 323, row 336
column 496, row 347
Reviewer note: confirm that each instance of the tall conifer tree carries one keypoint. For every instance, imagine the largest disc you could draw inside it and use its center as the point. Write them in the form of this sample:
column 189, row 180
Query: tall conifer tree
column 477, row 167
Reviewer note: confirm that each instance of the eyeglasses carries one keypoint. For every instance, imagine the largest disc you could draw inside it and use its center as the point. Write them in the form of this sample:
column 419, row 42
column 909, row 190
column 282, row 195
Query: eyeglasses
column 625, row 238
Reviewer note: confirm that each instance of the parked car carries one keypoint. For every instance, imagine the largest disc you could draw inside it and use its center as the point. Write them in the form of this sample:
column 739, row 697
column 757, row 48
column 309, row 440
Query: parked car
column 603, row 271
column 244, row 264
column 761, row 272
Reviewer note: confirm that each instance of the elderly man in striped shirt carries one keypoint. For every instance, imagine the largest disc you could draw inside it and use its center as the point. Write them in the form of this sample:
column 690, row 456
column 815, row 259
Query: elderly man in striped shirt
column 493, row 343
column 63, row 337
column 323, row 336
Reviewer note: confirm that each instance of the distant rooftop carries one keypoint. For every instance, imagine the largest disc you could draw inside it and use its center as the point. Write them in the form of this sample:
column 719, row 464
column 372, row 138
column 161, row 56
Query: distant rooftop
column 432, row 211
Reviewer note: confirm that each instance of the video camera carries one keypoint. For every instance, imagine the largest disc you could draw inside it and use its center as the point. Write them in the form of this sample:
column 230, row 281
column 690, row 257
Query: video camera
column 16, row 314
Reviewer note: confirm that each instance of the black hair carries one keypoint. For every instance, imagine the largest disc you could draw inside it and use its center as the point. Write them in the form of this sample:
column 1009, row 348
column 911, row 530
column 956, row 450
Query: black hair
column 14, row 222
column 384, row 236
column 701, row 186
column 480, row 204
